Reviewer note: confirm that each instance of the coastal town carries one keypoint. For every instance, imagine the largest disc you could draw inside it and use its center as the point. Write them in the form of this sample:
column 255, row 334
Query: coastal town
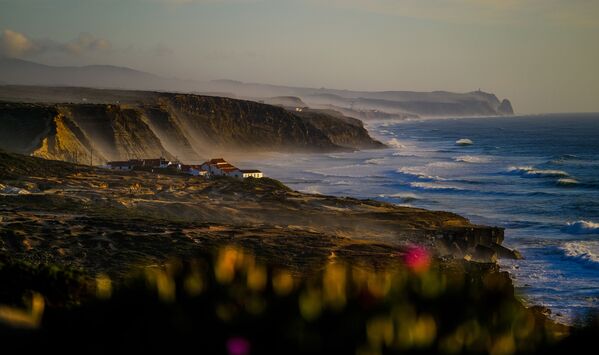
column 210, row 168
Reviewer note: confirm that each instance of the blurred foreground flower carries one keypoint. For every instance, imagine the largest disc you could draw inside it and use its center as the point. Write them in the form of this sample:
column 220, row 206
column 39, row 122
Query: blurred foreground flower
column 24, row 318
column 238, row 346
column 418, row 259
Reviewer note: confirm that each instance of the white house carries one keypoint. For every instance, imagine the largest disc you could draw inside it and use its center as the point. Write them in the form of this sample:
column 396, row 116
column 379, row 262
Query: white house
column 220, row 167
column 257, row 174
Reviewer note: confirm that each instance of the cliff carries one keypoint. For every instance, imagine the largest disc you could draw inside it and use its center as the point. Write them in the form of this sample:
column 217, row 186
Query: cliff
column 363, row 104
column 114, row 125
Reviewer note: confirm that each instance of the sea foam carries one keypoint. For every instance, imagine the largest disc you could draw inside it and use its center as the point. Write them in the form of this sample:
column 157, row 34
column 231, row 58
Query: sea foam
column 582, row 227
column 582, row 252
column 395, row 143
column 529, row 171
column 417, row 173
column 435, row 187
column 567, row 182
column 471, row 159
column 464, row 141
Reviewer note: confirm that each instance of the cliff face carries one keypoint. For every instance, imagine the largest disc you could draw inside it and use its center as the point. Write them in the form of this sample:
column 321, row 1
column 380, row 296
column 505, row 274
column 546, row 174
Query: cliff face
column 189, row 127
column 398, row 104
column 350, row 138
column 505, row 108
column 395, row 103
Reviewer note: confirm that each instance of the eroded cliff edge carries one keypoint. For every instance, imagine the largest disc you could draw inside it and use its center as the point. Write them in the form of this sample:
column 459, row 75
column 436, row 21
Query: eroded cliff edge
column 189, row 127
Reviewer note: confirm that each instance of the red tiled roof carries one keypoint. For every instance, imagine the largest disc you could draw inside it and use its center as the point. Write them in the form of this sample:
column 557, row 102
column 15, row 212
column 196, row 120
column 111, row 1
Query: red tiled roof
column 226, row 166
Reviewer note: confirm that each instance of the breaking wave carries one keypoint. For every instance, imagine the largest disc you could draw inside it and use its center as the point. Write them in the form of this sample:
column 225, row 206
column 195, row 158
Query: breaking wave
column 582, row 227
column 567, row 182
column 529, row 171
column 471, row 159
column 395, row 143
column 581, row 252
column 435, row 187
column 374, row 161
column 464, row 141
column 413, row 173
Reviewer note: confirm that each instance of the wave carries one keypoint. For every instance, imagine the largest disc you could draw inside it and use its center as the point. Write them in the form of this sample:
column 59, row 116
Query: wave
column 529, row 171
column 436, row 187
column 374, row 161
column 344, row 171
column 443, row 164
column 567, row 182
column 582, row 227
column 402, row 154
column 464, row 141
column 395, row 143
column 471, row 159
column 413, row 172
column 581, row 252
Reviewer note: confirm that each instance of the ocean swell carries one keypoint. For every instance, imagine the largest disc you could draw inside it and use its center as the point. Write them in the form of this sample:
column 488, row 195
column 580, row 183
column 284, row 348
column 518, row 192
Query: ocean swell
column 581, row 252
column 582, row 227
column 567, row 182
column 529, row 171
column 471, row 159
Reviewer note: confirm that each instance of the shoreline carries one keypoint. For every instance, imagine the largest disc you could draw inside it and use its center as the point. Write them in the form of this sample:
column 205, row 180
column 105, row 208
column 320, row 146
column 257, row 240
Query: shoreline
column 333, row 172
column 78, row 222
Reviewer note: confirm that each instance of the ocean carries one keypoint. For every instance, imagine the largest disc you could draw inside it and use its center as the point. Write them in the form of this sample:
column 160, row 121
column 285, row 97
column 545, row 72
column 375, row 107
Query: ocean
column 537, row 176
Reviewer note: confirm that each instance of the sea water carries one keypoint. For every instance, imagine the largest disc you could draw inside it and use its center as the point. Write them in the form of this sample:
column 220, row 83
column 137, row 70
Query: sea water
column 537, row 176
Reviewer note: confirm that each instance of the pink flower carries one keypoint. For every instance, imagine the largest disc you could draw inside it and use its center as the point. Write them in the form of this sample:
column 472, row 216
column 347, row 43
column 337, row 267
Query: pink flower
column 238, row 346
column 417, row 258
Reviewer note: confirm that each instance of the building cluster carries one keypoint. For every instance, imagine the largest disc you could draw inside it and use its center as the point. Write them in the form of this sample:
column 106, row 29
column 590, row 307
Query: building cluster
column 213, row 167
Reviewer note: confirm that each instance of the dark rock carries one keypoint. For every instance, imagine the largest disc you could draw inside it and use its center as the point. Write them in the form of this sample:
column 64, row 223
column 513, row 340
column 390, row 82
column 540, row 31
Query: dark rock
column 505, row 108
column 506, row 253
column 484, row 254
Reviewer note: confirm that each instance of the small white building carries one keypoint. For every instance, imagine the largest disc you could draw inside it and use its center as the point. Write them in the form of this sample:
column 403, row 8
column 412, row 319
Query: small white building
column 220, row 167
column 257, row 174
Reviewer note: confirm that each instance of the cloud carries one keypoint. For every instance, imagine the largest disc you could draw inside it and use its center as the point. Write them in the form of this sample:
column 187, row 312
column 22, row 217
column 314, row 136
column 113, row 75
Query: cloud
column 17, row 45
column 87, row 43
column 14, row 44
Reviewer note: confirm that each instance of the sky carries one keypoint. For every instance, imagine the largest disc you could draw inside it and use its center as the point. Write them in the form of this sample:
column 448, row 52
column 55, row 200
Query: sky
column 541, row 54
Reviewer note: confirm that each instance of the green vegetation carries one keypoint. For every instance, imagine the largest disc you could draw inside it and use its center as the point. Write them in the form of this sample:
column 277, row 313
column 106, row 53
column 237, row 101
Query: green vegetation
column 230, row 303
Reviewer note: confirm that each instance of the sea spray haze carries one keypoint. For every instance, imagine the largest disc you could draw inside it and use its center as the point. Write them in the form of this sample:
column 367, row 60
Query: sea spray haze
column 538, row 176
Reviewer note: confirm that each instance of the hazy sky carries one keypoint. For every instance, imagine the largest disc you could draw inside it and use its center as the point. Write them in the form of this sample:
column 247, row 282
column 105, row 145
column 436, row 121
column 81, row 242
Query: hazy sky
column 541, row 54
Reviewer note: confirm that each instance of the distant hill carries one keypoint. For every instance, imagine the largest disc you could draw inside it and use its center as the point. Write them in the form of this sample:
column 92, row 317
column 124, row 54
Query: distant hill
column 358, row 104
